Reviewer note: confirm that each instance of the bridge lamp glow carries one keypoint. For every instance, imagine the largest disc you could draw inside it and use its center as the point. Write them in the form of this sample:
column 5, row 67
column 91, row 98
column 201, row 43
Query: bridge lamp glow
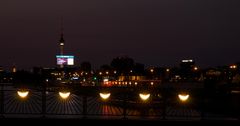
column 183, row 97
column 22, row 94
column 64, row 95
column 144, row 96
column 105, row 96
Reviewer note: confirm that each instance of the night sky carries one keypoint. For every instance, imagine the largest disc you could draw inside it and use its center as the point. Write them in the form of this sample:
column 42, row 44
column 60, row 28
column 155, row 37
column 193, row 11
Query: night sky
column 153, row 32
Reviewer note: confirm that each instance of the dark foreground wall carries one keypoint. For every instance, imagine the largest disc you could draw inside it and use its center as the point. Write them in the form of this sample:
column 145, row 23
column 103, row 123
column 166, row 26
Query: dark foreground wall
column 118, row 122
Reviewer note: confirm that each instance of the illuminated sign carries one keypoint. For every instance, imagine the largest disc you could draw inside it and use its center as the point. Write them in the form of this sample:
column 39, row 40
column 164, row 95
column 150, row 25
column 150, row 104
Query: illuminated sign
column 65, row 60
column 186, row 61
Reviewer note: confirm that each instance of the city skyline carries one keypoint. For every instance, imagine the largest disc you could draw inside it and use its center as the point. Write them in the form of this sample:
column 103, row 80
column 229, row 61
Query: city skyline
column 158, row 33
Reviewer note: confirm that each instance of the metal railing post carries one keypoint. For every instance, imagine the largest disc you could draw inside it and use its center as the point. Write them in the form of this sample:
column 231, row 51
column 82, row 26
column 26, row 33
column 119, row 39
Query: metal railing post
column 202, row 105
column 2, row 100
column 44, row 100
column 125, row 104
column 84, row 102
column 164, row 105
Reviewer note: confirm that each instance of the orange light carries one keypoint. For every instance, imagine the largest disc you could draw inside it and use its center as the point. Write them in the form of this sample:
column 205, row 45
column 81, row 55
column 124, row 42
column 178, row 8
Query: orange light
column 22, row 94
column 233, row 66
column 183, row 97
column 144, row 96
column 152, row 83
column 195, row 68
column 105, row 96
column 64, row 95
column 135, row 83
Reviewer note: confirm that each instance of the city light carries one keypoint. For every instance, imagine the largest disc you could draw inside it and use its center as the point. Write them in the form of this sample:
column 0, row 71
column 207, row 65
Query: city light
column 152, row 83
column 195, row 68
column 105, row 80
column 104, row 96
column 233, row 66
column 235, row 92
column 183, row 97
column 130, row 83
column 167, row 70
column 64, row 95
column 144, row 96
column 151, row 70
column 187, row 61
column 22, row 94
column 136, row 83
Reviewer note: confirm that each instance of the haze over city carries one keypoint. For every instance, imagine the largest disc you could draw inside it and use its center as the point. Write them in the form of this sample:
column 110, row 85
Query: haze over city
column 159, row 33
column 119, row 61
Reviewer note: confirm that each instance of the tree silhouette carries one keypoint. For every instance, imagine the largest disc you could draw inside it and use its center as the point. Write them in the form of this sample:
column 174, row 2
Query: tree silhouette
column 123, row 64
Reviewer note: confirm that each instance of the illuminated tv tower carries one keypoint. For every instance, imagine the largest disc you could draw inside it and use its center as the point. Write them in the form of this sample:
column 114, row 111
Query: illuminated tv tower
column 61, row 43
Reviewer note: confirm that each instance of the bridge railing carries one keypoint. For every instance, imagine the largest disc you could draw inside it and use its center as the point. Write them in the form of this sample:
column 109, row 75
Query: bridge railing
column 116, row 102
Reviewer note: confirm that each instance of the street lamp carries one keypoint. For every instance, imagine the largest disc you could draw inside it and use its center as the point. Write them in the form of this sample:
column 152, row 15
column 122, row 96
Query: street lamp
column 144, row 96
column 105, row 95
column 64, row 94
column 22, row 93
column 183, row 97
